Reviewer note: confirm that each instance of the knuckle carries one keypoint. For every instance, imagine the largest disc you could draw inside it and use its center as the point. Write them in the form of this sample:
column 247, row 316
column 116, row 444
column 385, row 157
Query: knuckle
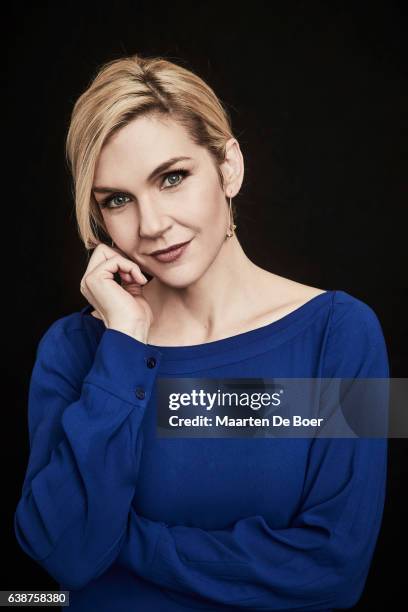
column 84, row 282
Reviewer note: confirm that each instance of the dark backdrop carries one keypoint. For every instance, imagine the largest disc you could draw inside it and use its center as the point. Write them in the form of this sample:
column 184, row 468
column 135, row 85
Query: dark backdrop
column 317, row 93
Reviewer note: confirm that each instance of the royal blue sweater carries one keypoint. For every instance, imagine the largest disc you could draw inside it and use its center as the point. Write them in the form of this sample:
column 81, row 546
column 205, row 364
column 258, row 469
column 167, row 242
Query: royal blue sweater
column 127, row 520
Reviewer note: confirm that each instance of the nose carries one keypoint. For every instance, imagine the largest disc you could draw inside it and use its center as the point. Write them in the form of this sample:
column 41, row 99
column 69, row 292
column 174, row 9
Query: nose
column 151, row 222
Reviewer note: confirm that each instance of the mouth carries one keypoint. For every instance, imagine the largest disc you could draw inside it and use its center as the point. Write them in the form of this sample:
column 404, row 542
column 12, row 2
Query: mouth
column 172, row 253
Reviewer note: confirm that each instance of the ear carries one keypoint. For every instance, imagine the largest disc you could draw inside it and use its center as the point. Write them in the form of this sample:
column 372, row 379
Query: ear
column 232, row 168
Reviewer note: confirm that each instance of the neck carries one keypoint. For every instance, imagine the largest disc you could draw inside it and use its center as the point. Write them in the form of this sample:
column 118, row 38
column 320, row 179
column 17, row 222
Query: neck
column 223, row 295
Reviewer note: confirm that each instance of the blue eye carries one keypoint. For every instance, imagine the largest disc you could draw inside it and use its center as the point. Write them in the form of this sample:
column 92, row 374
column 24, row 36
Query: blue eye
column 106, row 203
column 180, row 172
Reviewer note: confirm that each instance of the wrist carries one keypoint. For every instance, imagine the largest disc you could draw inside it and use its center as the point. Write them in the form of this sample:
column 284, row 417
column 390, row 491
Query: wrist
column 138, row 331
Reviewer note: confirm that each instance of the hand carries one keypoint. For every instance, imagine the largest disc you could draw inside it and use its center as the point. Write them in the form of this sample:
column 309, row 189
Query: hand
column 121, row 307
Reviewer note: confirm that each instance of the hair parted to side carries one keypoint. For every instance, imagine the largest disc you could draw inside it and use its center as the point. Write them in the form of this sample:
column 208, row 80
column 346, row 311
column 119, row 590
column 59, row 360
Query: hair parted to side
column 122, row 90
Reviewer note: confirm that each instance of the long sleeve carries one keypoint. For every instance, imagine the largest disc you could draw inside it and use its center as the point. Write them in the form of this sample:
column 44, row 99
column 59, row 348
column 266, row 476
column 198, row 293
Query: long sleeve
column 83, row 427
column 321, row 560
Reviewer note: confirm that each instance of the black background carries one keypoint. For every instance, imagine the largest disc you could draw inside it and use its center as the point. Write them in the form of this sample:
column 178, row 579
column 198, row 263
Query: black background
column 317, row 93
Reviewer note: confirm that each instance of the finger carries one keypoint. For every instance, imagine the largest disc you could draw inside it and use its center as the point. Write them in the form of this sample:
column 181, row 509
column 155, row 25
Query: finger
column 101, row 253
column 134, row 276
column 126, row 277
column 134, row 289
column 120, row 264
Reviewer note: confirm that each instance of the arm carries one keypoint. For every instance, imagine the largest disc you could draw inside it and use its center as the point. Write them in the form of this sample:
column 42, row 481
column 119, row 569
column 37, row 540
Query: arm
column 322, row 558
column 81, row 476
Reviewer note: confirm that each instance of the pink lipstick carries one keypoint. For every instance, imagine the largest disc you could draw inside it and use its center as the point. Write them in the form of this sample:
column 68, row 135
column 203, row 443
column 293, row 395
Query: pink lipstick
column 172, row 254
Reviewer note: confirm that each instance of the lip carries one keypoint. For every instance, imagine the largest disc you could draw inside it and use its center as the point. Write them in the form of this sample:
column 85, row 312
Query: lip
column 171, row 248
column 173, row 253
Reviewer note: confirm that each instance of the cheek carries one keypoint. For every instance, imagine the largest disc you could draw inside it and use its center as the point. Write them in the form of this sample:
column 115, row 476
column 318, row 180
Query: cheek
column 123, row 227
column 209, row 207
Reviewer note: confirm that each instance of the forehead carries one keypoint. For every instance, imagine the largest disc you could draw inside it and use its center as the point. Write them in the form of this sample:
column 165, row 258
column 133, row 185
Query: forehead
column 142, row 145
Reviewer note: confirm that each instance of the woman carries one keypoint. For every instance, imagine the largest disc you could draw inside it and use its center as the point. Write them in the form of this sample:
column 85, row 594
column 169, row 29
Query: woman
column 127, row 520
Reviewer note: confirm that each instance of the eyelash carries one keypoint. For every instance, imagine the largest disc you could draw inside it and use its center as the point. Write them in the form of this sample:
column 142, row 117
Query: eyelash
column 105, row 202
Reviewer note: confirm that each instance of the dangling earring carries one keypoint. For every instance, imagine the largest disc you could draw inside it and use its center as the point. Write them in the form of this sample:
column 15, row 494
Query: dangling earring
column 112, row 243
column 232, row 226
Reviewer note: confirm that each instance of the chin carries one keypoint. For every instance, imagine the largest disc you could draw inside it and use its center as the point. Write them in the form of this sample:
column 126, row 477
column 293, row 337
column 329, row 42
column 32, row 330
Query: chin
column 178, row 279
column 179, row 283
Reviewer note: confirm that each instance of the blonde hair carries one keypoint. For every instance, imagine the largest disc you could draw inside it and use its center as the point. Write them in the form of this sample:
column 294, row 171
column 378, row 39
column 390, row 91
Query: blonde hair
column 122, row 90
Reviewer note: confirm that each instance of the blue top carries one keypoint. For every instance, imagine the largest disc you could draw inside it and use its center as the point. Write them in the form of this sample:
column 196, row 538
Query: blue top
column 129, row 521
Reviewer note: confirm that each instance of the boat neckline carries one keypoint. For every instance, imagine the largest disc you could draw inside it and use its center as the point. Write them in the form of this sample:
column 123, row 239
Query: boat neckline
column 237, row 340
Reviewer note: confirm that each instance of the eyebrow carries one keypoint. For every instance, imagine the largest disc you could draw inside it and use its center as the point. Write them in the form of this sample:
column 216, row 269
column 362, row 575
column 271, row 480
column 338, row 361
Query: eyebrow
column 161, row 168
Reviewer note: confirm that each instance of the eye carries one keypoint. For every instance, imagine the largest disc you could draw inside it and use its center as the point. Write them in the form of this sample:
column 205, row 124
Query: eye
column 107, row 202
column 178, row 172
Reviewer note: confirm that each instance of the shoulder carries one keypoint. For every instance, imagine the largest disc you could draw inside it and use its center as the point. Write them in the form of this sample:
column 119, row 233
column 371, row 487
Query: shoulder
column 349, row 316
column 354, row 338
column 354, row 317
column 282, row 296
column 62, row 329
column 70, row 342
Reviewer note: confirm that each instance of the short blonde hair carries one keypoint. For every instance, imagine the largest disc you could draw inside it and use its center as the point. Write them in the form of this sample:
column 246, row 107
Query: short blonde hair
column 122, row 90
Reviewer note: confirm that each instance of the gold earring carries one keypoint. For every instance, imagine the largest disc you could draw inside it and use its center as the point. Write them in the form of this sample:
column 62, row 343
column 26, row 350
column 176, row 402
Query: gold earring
column 232, row 227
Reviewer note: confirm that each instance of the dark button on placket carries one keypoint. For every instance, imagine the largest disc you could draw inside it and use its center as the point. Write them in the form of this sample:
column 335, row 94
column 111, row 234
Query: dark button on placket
column 151, row 362
column 140, row 393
